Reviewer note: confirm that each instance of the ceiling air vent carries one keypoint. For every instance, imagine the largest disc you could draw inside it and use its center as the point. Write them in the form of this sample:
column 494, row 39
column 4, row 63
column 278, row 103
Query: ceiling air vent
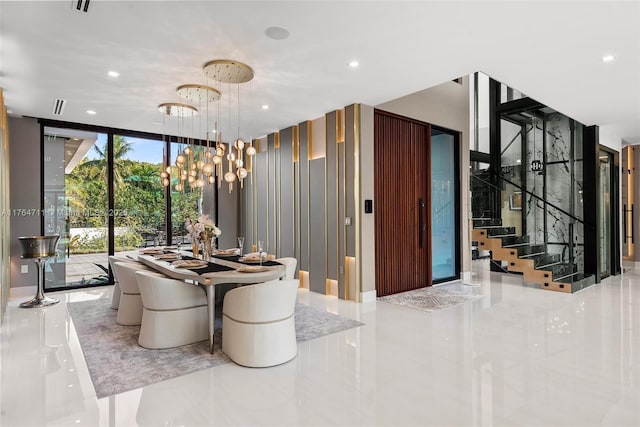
column 58, row 106
column 82, row 5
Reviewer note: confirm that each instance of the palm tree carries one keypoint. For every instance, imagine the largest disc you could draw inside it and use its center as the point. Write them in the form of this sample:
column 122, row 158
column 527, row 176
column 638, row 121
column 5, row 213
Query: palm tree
column 98, row 167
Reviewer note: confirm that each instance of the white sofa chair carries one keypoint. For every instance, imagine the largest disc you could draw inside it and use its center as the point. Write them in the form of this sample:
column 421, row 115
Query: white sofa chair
column 130, row 305
column 290, row 263
column 115, row 297
column 174, row 312
column 258, row 326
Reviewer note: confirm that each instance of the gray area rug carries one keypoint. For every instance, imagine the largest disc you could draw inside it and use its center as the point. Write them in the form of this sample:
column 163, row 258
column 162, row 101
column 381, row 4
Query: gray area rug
column 117, row 363
column 428, row 299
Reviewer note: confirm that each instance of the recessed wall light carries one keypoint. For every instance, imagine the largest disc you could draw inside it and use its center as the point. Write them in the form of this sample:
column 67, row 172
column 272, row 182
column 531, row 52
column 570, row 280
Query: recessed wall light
column 113, row 73
column 354, row 64
column 518, row 161
column 265, row 107
column 92, row 112
column 608, row 58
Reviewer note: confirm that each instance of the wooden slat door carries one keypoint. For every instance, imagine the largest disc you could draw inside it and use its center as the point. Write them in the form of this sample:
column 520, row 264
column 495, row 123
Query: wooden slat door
column 403, row 205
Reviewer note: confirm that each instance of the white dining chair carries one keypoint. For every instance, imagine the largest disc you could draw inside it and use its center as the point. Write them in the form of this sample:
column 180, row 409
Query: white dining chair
column 290, row 263
column 174, row 312
column 130, row 307
column 115, row 296
column 258, row 325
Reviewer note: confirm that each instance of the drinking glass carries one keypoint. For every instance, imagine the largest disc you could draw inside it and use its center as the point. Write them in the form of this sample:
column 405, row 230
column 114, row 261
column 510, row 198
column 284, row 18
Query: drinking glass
column 260, row 246
column 240, row 244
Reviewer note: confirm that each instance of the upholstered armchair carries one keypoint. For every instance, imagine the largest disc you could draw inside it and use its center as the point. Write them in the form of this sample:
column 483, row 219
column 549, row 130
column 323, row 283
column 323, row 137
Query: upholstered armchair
column 291, row 264
column 115, row 297
column 174, row 312
column 130, row 305
column 258, row 326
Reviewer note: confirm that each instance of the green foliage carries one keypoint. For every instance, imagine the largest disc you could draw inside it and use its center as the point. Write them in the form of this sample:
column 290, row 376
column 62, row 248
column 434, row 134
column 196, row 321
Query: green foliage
column 138, row 199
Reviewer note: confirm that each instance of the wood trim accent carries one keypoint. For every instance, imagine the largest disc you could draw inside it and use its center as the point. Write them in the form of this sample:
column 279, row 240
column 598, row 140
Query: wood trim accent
column 402, row 177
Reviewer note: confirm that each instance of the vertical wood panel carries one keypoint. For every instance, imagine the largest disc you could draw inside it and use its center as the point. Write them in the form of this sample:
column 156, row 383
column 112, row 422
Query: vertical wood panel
column 342, row 293
column 332, row 194
column 401, row 179
column 286, row 199
column 317, row 241
column 303, row 163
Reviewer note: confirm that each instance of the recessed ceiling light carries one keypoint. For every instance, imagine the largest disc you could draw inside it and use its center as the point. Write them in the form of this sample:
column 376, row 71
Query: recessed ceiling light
column 354, row 64
column 265, row 107
column 91, row 112
column 113, row 73
column 276, row 33
column 608, row 58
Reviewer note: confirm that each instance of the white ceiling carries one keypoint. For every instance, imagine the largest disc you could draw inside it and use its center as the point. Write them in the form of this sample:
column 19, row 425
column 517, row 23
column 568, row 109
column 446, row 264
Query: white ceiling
column 549, row 50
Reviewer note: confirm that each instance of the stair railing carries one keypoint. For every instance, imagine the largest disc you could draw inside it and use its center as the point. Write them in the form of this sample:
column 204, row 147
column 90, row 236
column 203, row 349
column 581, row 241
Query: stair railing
column 561, row 242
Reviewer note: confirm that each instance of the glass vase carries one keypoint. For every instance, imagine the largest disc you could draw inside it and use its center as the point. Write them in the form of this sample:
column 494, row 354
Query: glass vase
column 206, row 249
column 195, row 247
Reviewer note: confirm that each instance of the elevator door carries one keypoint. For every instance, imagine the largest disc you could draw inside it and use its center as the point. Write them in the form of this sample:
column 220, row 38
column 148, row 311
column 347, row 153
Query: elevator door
column 402, row 194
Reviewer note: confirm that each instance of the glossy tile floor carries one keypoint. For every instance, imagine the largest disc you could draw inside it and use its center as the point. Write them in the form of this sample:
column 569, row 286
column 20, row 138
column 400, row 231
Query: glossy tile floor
column 515, row 356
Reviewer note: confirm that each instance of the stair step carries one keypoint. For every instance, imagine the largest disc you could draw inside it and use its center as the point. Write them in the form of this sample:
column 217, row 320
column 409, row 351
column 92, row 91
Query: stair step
column 486, row 222
column 513, row 241
column 548, row 259
column 516, row 245
column 567, row 278
column 547, row 266
column 529, row 250
column 531, row 255
column 499, row 231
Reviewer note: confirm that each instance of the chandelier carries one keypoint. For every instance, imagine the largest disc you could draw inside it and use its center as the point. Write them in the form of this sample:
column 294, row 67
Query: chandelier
column 198, row 165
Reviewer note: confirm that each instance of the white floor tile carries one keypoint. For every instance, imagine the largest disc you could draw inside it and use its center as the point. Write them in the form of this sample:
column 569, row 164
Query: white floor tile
column 515, row 356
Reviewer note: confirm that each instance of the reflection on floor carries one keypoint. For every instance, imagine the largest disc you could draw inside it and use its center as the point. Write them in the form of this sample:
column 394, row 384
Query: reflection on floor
column 78, row 270
column 515, row 356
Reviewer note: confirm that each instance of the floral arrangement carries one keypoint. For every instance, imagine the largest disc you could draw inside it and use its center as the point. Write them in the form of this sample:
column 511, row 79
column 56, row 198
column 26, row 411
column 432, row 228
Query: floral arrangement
column 202, row 229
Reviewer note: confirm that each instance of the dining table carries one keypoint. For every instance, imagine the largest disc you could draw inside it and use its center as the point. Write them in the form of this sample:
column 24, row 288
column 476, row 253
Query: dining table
column 221, row 269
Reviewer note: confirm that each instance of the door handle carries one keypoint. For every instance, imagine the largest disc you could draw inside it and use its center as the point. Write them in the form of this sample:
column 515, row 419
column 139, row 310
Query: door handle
column 421, row 223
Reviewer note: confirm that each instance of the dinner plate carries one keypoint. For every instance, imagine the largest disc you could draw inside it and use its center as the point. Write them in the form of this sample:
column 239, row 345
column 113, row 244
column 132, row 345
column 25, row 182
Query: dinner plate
column 167, row 256
column 225, row 253
column 189, row 263
column 191, row 266
column 252, row 269
column 252, row 260
column 151, row 251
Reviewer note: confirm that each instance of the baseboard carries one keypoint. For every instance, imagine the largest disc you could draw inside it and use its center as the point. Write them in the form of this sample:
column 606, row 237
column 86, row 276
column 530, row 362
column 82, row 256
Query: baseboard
column 369, row 296
column 465, row 276
column 23, row 291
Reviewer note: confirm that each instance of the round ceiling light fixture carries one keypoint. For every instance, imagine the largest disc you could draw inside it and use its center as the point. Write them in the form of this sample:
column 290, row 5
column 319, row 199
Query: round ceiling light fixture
column 228, row 71
column 201, row 93
column 177, row 109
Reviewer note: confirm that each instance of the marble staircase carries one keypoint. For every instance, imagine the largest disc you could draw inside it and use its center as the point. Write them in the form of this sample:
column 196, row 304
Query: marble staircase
column 532, row 260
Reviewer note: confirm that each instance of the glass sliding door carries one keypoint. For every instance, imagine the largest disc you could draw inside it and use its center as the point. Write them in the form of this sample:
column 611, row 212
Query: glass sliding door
column 76, row 207
column 444, row 205
column 139, row 197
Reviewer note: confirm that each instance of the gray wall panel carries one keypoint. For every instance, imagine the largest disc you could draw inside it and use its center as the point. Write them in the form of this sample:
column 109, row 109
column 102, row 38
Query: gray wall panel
column 261, row 197
column 228, row 215
column 317, row 242
column 272, row 209
column 332, row 195
column 349, row 171
column 287, row 224
column 303, row 188
column 340, row 222
column 24, row 189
